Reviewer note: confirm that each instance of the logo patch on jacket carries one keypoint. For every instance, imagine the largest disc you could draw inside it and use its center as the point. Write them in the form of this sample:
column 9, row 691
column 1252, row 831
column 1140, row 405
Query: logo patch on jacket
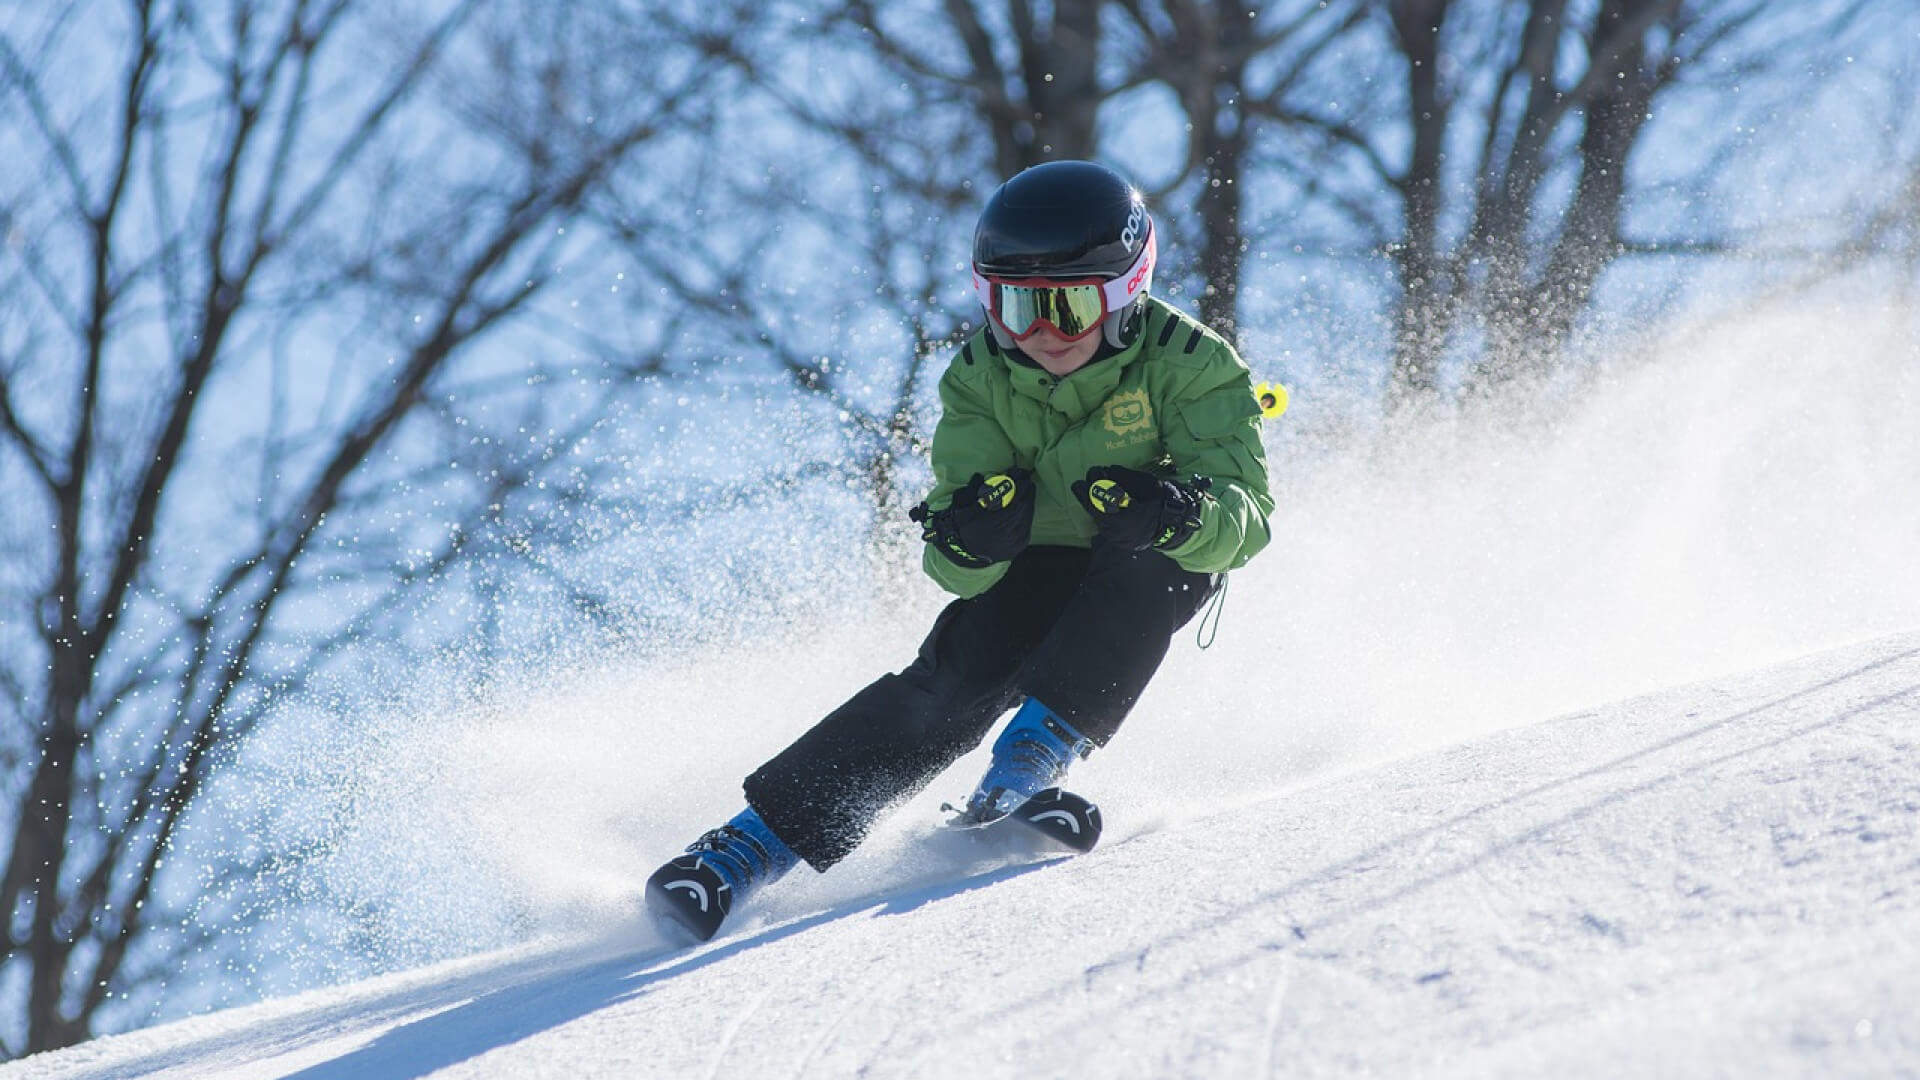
column 1128, row 414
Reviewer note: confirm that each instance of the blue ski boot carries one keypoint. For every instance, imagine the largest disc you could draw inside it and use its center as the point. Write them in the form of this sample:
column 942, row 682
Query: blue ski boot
column 695, row 891
column 1032, row 755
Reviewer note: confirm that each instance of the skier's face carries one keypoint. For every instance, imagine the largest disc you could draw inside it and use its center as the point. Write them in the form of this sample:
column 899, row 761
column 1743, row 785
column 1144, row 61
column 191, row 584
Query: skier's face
column 1055, row 354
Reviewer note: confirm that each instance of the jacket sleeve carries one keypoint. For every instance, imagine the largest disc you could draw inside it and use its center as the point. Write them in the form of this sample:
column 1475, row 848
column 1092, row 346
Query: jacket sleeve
column 968, row 439
column 1215, row 432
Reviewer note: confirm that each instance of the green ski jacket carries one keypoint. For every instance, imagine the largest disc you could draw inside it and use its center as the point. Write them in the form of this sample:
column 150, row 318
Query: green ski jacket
column 1177, row 402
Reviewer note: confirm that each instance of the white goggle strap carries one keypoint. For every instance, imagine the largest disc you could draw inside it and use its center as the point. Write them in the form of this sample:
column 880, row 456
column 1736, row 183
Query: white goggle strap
column 1130, row 286
column 983, row 289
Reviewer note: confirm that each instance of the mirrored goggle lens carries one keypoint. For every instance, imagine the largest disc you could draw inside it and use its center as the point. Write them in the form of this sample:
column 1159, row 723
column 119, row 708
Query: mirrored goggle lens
column 1074, row 310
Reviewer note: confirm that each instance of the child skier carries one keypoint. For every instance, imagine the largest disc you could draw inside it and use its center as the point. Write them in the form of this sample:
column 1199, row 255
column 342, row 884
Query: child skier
column 1097, row 469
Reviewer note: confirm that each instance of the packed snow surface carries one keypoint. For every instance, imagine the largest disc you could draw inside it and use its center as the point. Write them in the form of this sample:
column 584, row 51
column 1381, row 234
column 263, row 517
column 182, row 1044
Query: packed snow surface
column 1721, row 879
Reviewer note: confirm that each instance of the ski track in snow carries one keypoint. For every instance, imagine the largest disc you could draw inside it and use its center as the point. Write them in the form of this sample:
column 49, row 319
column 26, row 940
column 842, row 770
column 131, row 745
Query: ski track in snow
column 1717, row 880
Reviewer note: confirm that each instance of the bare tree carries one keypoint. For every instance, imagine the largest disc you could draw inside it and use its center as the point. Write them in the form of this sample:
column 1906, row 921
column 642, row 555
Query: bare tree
column 250, row 270
column 1508, row 158
column 1484, row 149
column 1032, row 71
column 844, row 210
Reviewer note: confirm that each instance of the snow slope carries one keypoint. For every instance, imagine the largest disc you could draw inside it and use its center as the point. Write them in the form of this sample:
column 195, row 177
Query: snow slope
column 1717, row 880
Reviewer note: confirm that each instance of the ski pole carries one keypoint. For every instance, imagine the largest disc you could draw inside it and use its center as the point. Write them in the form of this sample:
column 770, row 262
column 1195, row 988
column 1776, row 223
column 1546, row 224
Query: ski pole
column 1272, row 398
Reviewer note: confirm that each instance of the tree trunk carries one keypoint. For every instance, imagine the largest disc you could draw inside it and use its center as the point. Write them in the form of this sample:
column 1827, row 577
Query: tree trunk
column 1424, row 311
column 1589, row 240
column 1214, row 107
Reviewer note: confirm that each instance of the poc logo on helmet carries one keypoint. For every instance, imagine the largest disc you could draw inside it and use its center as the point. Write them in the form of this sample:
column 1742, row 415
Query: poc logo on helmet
column 1136, row 220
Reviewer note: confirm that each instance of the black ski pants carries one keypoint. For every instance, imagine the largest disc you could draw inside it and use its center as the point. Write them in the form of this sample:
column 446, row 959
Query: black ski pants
column 1082, row 630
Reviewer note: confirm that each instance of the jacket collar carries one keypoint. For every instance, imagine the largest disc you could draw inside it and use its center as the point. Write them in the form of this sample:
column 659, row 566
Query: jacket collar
column 1079, row 394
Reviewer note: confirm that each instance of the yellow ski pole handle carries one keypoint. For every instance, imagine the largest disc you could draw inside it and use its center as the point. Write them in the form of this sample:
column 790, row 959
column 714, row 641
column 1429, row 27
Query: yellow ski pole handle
column 1108, row 496
column 998, row 493
column 1272, row 398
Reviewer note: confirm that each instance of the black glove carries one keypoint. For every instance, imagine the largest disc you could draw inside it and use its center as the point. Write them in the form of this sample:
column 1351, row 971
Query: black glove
column 1137, row 510
column 989, row 521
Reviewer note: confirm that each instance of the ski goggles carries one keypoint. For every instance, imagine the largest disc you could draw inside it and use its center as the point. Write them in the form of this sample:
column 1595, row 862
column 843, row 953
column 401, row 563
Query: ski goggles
column 1072, row 307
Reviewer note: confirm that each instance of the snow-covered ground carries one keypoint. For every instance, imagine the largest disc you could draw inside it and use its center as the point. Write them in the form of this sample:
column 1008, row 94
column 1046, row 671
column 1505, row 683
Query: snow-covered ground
column 1721, row 879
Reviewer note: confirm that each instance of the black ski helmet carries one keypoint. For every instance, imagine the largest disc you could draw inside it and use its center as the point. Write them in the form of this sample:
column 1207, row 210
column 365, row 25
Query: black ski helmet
column 1068, row 219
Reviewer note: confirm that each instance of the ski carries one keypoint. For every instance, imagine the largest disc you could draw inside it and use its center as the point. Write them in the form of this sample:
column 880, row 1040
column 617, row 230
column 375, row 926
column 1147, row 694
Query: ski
column 1056, row 817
